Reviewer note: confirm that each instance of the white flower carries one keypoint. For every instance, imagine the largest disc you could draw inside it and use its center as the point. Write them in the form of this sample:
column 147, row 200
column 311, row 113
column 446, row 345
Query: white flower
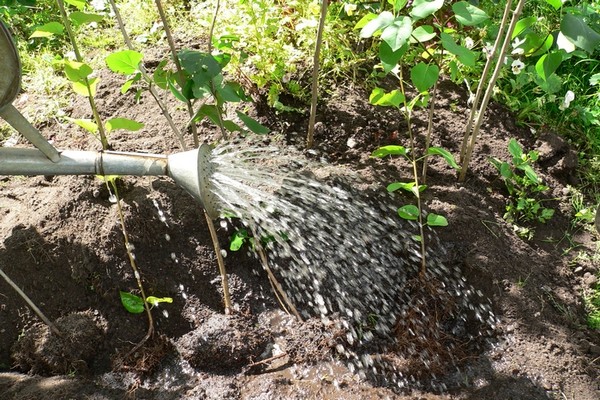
column 98, row 5
column 517, row 66
column 488, row 49
column 350, row 8
column 469, row 43
column 516, row 46
column 569, row 97
column 70, row 55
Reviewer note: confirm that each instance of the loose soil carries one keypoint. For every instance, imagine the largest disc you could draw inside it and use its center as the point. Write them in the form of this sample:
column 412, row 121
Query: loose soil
column 63, row 245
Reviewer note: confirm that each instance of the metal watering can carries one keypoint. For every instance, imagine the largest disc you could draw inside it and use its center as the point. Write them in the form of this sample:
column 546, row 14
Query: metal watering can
column 190, row 170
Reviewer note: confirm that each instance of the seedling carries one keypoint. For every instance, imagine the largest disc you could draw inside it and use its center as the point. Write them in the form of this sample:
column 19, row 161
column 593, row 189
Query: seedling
column 523, row 185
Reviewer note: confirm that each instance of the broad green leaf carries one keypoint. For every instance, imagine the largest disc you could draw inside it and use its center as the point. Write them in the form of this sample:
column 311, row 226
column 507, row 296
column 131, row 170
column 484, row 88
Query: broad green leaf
column 126, row 86
column 398, row 33
column 557, row 4
column 422, row 33
column 407, row 186
column 132, row 303
column 82, row 89
column 468, row 14
column 424, row 8
column 199, row 64
column 563, row 43
column 122, row 123
column 155, row 300
column 378, row 23
column 398, row 4
column 252, row 124
column 389, row 59
column 445, row 154
column 578, row 32
column 595, row 79
column 231, row 92
column 48, row 30
column 231, row 126
column 86, row 124
column 176, row 92
column 125, row 62
column 536, row 45
column 379, row 97
column 529, row 172
column 238, row 239
column 464, row 55
column 76, row 71
column 365, row 20
column 79, row 4
column 160, row 75
column 424, row 76
column 409, row 212
column 547, row 64
column 391, row 150
column 207, row 110
column 521, row 25
column 506, row 170
column 80, row 18
column 436, row 220
column 515, row 149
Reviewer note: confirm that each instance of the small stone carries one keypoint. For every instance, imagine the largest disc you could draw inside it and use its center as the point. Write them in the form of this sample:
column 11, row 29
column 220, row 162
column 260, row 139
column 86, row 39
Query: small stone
column 589, row 279
column 578, row 270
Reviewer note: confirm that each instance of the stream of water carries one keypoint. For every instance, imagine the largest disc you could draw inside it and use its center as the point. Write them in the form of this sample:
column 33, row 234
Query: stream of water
column 342, row 254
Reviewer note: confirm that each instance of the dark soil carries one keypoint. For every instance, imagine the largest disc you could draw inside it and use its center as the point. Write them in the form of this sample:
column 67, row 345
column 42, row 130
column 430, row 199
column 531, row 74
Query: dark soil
column 63, row 245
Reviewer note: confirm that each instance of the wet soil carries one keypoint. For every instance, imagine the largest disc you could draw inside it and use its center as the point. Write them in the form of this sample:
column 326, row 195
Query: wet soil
column 63, row 245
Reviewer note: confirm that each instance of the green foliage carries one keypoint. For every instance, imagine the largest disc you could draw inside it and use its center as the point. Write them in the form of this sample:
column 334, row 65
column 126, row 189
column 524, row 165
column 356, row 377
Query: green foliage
column 135, row 304
column 523, row 185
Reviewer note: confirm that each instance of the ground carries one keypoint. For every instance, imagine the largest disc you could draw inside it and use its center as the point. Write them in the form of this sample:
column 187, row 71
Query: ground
column 63, row 245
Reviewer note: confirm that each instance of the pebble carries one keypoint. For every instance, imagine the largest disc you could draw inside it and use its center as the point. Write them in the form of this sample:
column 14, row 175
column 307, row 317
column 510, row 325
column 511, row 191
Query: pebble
column 589, row 279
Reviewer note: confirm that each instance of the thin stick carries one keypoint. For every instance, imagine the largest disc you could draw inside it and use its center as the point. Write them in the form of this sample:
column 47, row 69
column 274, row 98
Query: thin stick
column 315, row 76
column 222, row 271
column 429, row 130
column 483, row 79
column 490, row 88
column 39, row 313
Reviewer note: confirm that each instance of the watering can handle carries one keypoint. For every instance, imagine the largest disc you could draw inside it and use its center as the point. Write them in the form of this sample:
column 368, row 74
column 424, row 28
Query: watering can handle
column 20, row 123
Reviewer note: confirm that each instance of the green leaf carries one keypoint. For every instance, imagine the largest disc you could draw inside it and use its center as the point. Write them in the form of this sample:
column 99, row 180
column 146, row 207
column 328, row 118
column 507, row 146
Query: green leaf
column 391, row 150
column 132, row 303
column 389, row 59
column 514, row 148
column 125, row 62
column 48, row 30
column 86, row 124
column 468, row 14
column 176, row 92
column 529, row 172
column 155, row 300
column 578, row 31
column 436, row 220
column 445, row 154
column 208, row 110
column 365, row 20
column 76, row 71
column 423, row 33
column 253, row 124
column 521, row 25
column 464, row 55
column 536, row 45
column 407, row 186
column 506, row 170
column 557, row 4
column 424, row 76
column 79, row 4
column 238, row 239
column 398, row 4
column 122, row 123
column 80, row 18
column 160, row 75
column 398, row 33
column 376, row 24
column 547, row 64
column 409, row 212
column 82, row 89
column 231, row 126
column 424, row 8
column 379, row 97
column 202, row 66
column 231, row 92
column 595, row 79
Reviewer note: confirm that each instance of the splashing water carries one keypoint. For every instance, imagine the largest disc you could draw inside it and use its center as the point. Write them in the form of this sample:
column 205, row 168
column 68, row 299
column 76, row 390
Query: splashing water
column 344, row 255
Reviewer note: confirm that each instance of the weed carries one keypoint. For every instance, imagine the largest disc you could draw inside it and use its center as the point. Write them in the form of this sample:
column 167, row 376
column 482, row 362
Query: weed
column 524, row 187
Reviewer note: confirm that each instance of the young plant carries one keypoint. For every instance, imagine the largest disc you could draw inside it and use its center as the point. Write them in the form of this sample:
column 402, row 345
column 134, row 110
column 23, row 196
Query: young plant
column 523, row 185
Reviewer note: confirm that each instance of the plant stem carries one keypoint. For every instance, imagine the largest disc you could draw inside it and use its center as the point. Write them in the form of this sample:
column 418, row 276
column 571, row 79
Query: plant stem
column 31, row 304
column 417, row 193
column 97, row 119
column 490, row 88
column 148, row 79
column 315, row 76
column 136, row 271
column 222, row 271
column 429, row 130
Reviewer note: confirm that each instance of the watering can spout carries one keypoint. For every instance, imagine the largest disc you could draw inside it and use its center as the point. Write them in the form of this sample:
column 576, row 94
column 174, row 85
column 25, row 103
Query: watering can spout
column 192, row 171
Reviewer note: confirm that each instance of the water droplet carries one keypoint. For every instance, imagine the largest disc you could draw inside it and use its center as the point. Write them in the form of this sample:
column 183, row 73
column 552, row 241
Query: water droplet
column 167, row 237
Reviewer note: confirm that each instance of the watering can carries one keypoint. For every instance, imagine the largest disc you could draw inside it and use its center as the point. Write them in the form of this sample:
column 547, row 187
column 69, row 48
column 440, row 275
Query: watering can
column 190, row 169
